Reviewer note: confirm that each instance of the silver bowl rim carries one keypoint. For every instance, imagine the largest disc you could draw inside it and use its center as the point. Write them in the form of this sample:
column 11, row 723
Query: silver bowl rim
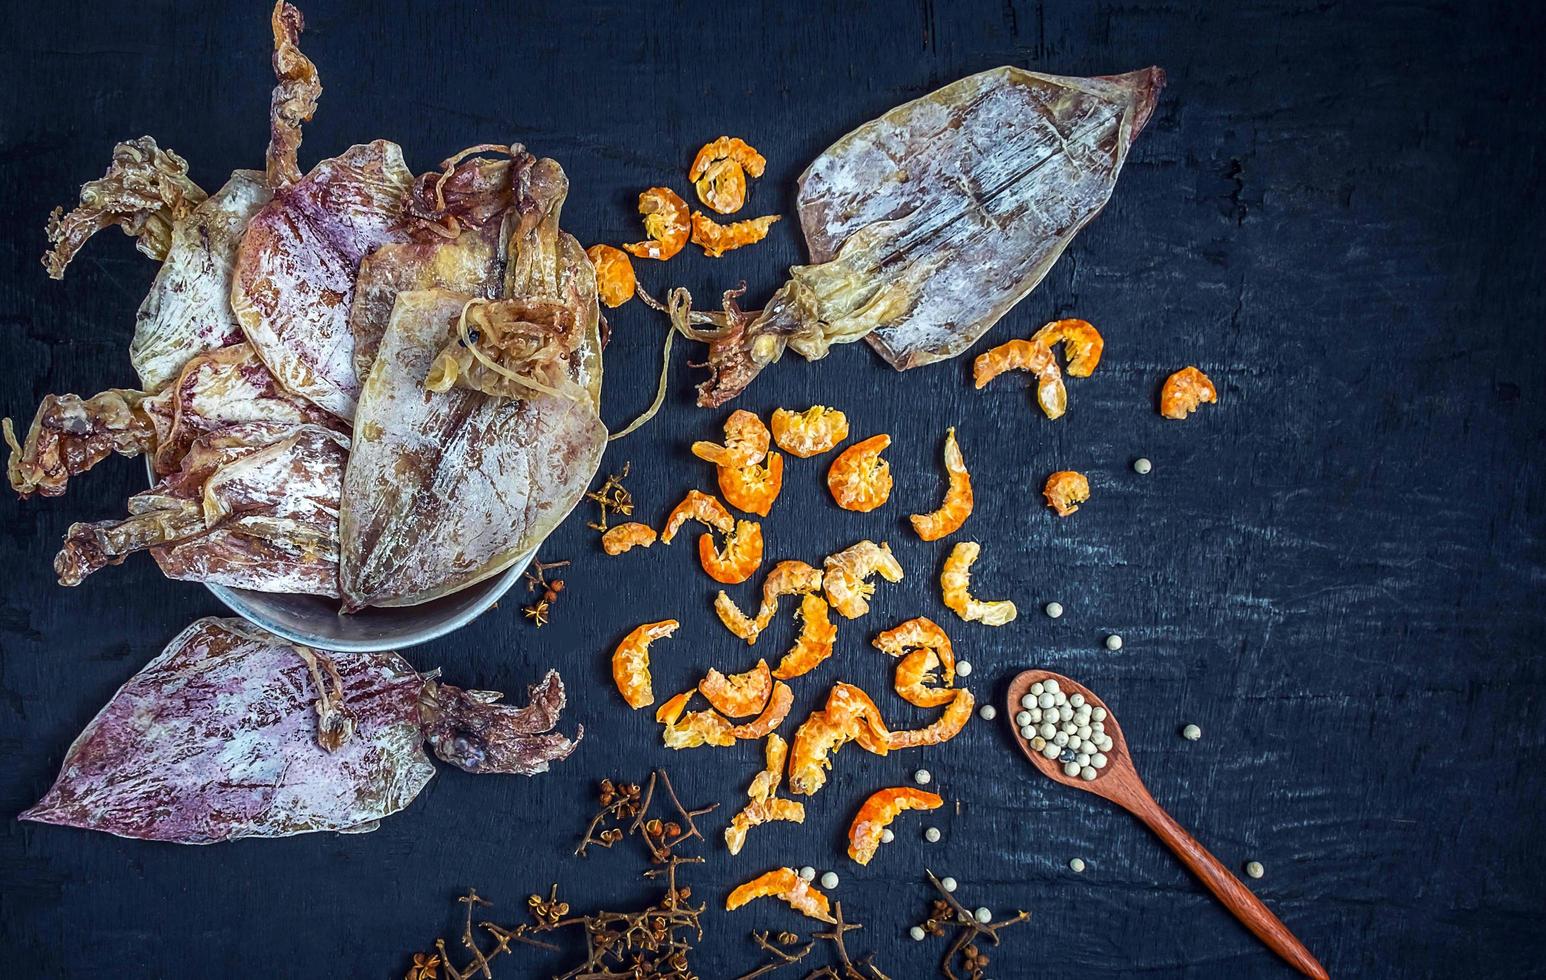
column 246, row 602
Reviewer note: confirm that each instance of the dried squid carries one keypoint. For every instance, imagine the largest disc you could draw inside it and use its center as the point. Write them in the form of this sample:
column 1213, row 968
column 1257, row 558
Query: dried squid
column 232, row 732
column 69, row 434
column 926, row 225
column 297, row 263
column 146, row 190
column 252, row 506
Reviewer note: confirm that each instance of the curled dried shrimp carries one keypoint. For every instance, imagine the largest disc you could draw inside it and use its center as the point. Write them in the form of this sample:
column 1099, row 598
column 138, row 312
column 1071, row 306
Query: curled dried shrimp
column 787, row 886
column 817, row 637
column 860, row 480
column 717, row 239
column 779, row 703
column 1184, row 391
column 945, row 728
column 787, row 578
column 816, row 740
column 738, row 695
column 740, row 556
column 693, row 729
column 846, row 575
column 848, row 705
column 719, row 173
column 697, row 506
column 615, row 281
column 722, row 186
column 746, row 442
column 1065, row 490
column 956, row 581
column 736, row 621
column 631, row 662
column 752, row 488
column 666, row 221
column 625, row 537
column 1026, row 355
column 1082, row 344
column 812, row 432
column 957, row 506
column 727, row 148
column 876, row 814
column 920, row 632
column 764, row 806
column 915, row 677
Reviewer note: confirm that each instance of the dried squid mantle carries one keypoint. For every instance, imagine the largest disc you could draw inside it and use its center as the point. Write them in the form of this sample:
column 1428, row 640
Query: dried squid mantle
column 414, row 362
column 928, row 224
column 232, row 732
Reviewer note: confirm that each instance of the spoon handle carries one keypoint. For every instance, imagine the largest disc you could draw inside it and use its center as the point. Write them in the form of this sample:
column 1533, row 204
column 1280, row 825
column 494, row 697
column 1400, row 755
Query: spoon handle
column 1228, row 889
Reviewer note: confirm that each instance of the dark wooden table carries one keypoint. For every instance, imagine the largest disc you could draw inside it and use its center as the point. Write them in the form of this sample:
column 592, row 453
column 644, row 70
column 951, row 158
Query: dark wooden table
column 1337, row 572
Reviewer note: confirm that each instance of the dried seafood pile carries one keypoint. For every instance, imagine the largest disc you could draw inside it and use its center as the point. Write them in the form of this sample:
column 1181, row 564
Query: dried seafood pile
column 354, row 382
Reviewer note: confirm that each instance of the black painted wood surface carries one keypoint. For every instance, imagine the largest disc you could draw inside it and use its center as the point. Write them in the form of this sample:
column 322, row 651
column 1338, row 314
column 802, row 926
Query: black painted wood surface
column 1337, row 571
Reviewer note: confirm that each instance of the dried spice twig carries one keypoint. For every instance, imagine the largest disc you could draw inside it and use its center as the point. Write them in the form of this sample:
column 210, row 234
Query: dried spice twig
column 612, row 498
column 946, row 913
column 780, row 947
column 539, row 611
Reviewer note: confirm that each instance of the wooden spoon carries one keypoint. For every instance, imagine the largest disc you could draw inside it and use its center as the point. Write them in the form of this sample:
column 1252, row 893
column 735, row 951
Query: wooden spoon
column 1119, row 783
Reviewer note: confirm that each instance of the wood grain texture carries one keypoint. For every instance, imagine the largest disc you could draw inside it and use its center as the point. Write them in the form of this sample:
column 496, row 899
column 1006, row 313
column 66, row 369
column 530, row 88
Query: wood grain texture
column 1338, row 571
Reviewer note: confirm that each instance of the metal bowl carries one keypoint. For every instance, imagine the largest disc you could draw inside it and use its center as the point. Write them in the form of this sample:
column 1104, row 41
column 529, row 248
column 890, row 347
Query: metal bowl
column 316, row 622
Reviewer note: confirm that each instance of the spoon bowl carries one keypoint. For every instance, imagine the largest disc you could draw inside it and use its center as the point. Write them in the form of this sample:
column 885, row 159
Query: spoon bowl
column 1119, row 782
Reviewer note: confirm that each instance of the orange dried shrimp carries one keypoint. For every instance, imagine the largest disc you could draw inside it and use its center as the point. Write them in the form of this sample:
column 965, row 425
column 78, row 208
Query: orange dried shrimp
column 846, row 575
column 920, row 632
column 947, row 727
column 615, row 281
column 859, row 479
column 914, row 679
column 956, row 581
column 923, row 647
column 812, row 432
column 786, row 578
column 727, row 148
column 849, row 715
column 722, row 186
column 752, row 488
column 625, row 537
column 1065, row 490
column 764, row 806
column 693, row 729
column 746, row 442
column 1184, row 391
column 717, row 239
column 847, row 704
column 1082, row 344
column 738, row 695
column 815, row 642
column 740, row 556
column 816, row 740
column 631, row 662
column 876, row 814
column 779, row 703
column 787, row 886
column 736, row 621
column 666, row 221
column 1026, row 355
column 719, row 172
column 957, row 506
column 697, row 506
